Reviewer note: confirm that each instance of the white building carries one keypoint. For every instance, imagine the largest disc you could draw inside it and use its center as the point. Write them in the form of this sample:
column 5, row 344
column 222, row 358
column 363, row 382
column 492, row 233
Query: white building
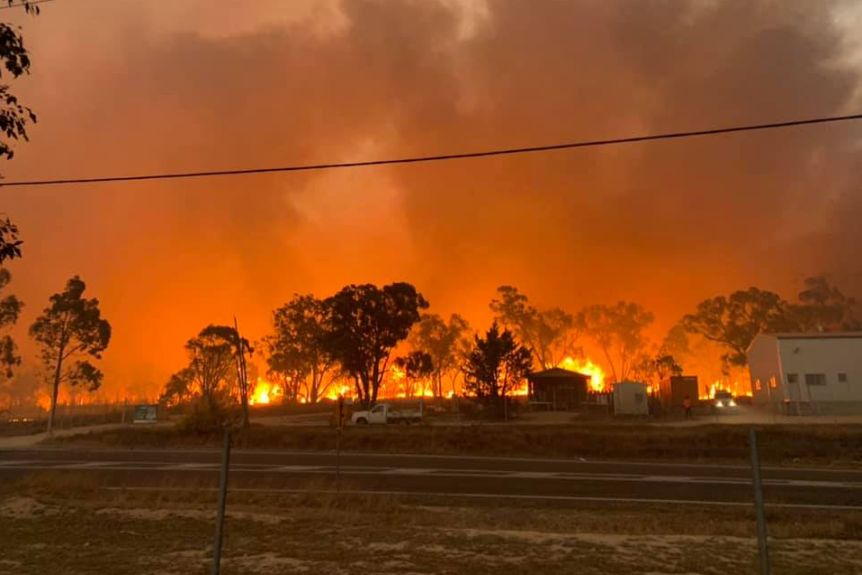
column 807, row 372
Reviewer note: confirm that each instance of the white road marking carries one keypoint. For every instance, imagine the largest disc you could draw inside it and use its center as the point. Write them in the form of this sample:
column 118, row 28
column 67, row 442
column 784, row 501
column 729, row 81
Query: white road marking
column 353, row 454
column 85, row 465
column 179, row 466
column 299, row 468
column 425, row 471
column 561, row 498
column 536, row 475
column 404, row 471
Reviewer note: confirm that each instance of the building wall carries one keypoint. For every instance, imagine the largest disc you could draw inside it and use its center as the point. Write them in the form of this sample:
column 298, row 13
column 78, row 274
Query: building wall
column 826, row 357
column 764, row 366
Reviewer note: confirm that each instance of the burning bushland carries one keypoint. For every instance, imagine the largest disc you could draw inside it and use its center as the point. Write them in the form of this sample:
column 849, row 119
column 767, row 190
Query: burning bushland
column 367, row 343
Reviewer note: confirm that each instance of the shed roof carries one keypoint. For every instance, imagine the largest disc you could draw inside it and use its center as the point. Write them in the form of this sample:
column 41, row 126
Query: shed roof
column 557, row 373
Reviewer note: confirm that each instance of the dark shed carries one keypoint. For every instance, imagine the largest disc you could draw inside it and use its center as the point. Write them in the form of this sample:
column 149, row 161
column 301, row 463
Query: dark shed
column 674, row 390
column 558, row 388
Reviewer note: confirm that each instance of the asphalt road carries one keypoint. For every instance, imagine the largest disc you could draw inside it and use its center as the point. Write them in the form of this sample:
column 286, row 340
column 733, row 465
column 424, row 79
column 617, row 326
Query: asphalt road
column 503, row 479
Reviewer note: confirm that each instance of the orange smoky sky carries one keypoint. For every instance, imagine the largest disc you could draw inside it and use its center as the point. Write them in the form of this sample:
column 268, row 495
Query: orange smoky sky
column 135, row 86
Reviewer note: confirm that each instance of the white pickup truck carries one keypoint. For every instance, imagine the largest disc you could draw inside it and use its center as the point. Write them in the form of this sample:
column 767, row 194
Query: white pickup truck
column 385, row 413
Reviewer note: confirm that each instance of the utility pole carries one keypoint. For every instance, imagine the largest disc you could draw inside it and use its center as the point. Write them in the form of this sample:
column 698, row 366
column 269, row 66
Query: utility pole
column 242, row 373
column 762, row 543
column 222, row 501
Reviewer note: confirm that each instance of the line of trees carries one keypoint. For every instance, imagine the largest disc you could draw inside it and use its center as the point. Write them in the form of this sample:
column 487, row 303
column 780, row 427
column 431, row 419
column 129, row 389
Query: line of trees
column 733, row 321
column 355, row 333
column 350, row 334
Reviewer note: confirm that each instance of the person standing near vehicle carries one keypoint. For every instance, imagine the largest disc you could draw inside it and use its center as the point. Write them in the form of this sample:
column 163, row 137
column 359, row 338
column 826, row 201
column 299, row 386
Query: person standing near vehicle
column 686, row 406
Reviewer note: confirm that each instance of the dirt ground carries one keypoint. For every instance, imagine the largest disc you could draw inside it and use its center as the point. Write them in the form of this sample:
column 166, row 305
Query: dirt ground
column 67, row 526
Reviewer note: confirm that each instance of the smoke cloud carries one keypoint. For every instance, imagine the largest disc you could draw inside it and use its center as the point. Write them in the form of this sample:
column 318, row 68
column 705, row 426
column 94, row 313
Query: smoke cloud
column 132, row 87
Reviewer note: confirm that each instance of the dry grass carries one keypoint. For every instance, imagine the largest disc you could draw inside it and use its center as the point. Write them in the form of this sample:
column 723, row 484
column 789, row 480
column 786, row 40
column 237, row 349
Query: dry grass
column 67, row 524
column 821, row 444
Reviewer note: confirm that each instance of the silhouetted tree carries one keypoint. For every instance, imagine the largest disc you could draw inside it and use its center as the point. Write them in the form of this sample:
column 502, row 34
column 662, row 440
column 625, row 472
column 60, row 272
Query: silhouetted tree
column 180, row 387
column 676, row 343
column 823, row 307
column 653, row 369
column 417, row 366
column 212, row 363
column 10, row 245
column 241, row 351
column 10, row 309
column 496, row 365
column 445, row 342
column 549, row 334
column 16, row 60
column 13, row 115
column 71, row 327
column 22, row 390
column 297, row 352
column 619, row 332
column 735, row 320
column 364, row 323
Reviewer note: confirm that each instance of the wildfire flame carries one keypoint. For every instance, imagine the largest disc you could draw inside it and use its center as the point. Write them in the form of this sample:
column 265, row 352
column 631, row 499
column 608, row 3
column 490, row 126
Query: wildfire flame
column 735, row 388
column 404, row 389
column 421, row 391
column 522, row 390
column 338, row 389
column 587, row 367
column 265, row 392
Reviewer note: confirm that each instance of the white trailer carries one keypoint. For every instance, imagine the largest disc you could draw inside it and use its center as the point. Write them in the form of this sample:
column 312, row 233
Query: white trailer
column 630, row 398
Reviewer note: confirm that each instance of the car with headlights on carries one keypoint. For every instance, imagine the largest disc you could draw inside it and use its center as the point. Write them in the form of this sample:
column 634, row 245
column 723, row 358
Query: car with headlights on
column 723, row 402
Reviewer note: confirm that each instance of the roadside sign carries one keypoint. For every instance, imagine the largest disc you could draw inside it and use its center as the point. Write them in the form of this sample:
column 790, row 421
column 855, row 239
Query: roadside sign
column 145, row 414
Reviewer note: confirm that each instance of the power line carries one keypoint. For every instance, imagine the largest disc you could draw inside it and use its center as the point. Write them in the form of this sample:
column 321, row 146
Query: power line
column 436, row 158
column 6, row 6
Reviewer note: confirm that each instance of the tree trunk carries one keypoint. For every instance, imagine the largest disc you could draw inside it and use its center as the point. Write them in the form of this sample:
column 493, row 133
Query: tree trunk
column 361, row 383
column 375, row 384
column 55, row 392
column 315, row 386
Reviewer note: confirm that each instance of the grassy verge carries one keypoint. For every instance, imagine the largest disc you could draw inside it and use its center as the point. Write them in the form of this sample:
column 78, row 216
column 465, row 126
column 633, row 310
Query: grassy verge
column 811, row 444
column 64, row 524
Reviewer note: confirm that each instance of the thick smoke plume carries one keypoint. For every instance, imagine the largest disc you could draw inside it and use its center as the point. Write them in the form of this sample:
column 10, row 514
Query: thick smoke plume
column 127, row 87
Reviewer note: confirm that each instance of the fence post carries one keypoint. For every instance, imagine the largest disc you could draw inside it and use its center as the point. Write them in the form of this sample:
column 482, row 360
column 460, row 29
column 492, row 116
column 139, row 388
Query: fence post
column 222, row 501
column 339, row 429
column 762, row 543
